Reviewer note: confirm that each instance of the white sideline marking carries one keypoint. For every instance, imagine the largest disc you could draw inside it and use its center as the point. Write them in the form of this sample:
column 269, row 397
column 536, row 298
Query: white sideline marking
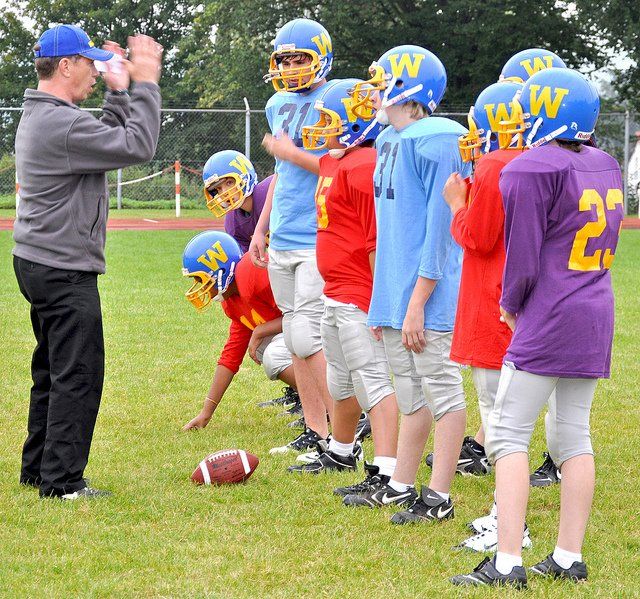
column 205, row 472
column 150, row 220
column 245, row 461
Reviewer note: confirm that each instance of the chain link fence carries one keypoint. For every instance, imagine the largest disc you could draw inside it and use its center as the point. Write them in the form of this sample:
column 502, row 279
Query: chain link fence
column 190, row 136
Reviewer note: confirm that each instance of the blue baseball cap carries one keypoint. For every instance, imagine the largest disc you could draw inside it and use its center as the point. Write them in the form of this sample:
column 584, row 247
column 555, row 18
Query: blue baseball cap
column 68, row 40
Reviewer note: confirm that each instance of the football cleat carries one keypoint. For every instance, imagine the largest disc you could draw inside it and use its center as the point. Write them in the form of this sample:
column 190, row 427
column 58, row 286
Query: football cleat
column 363, row 430
column 305, row 440
column 307, row 458
column 298, row 423
column 472, row 461
column 85, row 493
column 294, row 409
column 485, row 574
column 381, row 496
column 428, row 506
column 288, row 398
column 311, row 456
column 488, row 522
column 547, row 474
column 327, row 461
column 373, row 480
column 487, row 540
column 548, row 567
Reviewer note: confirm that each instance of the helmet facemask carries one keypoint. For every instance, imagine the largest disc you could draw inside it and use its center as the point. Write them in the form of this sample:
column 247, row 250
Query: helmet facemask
column 511, row 131
column 363, row 94
column 470, row 144
column 200, row 294
column 295, row 78
column 329, row 125
column 219, row 203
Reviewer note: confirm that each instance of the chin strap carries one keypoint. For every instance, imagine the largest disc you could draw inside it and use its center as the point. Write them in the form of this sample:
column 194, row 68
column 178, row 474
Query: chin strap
column 222, row 289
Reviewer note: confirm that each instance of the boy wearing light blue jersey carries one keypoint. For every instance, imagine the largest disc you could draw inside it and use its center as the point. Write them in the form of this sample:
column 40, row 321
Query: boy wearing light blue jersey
column 299, row 64
column 416, row 279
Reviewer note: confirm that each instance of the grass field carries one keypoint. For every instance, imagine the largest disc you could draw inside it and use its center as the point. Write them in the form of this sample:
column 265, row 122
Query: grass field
column 278, row 535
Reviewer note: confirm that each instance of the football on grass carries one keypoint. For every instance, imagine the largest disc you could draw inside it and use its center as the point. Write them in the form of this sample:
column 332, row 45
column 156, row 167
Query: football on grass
column 223, row 467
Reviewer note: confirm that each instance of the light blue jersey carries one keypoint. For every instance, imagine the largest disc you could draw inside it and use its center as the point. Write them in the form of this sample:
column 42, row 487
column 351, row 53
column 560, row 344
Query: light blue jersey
column 413, row 222
column 293, row 221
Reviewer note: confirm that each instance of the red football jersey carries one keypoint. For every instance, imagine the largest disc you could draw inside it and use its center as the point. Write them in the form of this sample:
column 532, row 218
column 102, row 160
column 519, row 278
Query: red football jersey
column 253, row 305
column 346, row 226
column 479, row 338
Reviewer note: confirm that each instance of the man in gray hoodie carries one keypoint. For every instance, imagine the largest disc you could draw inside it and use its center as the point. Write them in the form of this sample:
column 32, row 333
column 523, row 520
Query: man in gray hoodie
column 62, row 155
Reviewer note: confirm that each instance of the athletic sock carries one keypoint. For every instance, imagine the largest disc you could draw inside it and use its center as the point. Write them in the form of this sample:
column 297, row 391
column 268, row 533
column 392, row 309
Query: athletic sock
column 444, row 496
column 505, row 562
column 399, row 487
column 341, row 449
column 565, row 558
column 385, row 464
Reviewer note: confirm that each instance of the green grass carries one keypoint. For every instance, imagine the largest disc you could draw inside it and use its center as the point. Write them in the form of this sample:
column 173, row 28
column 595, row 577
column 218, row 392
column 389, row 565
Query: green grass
column 278, row 535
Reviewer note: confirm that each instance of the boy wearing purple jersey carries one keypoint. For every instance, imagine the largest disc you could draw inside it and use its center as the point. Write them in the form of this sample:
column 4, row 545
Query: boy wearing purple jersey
column 563, row 210
column 232, row 190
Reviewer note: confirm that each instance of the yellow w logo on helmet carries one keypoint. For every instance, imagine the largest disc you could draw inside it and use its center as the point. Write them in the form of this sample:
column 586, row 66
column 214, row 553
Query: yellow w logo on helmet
column 541, row 97
column 405, row 62
column 498, row 113
column 349, row 102
column 241, row 163
column 538, row 63
column 212, row 255
column 323, row 42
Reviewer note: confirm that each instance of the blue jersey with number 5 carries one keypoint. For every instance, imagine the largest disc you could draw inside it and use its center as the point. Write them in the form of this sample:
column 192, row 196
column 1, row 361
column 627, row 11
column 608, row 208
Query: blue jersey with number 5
column 413, row 222
column 293, row 221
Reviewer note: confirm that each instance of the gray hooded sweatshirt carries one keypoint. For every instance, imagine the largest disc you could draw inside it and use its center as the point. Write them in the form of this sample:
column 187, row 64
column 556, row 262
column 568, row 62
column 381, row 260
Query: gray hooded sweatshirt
column 62, row 155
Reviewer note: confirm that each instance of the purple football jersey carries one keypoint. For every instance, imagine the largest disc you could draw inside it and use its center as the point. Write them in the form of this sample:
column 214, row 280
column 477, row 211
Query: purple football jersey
column 240, row 224
column 563, row 212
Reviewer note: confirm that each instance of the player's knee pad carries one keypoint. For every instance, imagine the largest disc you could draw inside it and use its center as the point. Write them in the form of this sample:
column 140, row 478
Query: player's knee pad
column 370, row 389
column 573, row 439
column 275, row 358
column 357, row 345
column 409, row 394
column 443, row 392
column 339, row 383
column 304, row 336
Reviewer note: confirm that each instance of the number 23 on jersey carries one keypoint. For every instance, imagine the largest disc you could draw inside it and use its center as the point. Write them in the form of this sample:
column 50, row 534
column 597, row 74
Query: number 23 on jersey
column 321, row 201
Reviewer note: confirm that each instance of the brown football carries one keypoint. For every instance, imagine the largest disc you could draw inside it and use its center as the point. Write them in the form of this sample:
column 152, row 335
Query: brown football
column 227, row 466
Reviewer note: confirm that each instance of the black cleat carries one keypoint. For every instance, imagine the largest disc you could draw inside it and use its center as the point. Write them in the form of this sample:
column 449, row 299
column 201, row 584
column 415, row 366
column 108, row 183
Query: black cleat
column 363, row 429
column 289, row 397
column 305, row 441
column 327, row 461
column 427, row 507
column 299, row 423
column 485, row 574
column 85, row 493
column 373, row 480
column 381, row 496
column 472, row 460
column 548, row 567
column 548, row 473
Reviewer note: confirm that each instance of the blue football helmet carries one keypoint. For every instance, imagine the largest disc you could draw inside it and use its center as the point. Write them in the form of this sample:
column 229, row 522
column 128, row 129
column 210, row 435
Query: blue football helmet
column 233, row 165
column 337, row 119
column 524, row 64
column 494, row 104
column 402, row 74
column 300, row 36
column 210, row 258
column 554, row 104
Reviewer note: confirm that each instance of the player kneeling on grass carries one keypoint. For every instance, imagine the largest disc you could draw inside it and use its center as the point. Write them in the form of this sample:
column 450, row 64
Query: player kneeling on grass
column 557, row 297
column 220, row 273
column 417, row 274
column 231, row 189
column 357, row 370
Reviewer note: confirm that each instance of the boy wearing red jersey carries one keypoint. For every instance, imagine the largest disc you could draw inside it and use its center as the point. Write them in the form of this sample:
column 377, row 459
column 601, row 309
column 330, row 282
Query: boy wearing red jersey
column 213, row 259
column 357, row 370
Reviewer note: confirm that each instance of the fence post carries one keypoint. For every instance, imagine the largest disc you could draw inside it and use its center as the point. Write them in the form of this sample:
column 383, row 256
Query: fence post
column 176, row 166
column 625, row 171
column 247, row 130
column 17, row 192
column 119, row 188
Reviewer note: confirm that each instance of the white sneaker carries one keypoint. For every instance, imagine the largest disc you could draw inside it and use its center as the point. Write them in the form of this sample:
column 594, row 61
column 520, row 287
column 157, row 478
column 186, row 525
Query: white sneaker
column 487, row 540
column 489, row 522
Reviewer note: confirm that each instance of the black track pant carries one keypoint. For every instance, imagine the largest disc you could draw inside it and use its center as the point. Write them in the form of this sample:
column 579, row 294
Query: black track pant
column 67, row 370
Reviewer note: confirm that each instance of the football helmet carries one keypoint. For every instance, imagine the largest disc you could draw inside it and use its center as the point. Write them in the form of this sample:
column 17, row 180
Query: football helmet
column 494, row 104
column 236, row 166
column 528, row 62
column 401, row 74
column 300, row 36
column 338, row 120
column 554, row 104
column 210, row 258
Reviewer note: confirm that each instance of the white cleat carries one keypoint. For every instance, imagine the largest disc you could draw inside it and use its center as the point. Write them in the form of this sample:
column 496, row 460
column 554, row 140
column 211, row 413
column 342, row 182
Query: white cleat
column 487, row 541
column 307, row 458
column 488, row 522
